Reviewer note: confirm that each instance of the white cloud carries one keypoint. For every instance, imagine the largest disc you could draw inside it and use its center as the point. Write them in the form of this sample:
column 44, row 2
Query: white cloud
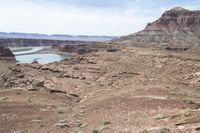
column 26, row 16
column 138, row 0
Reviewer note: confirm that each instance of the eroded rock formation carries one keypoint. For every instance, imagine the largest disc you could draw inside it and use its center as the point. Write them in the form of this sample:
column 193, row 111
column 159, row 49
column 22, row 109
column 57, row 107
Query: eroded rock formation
column 177, row 27
column 6, row 54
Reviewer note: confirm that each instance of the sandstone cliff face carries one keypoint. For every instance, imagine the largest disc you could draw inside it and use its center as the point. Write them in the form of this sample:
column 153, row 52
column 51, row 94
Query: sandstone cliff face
column 177, row 27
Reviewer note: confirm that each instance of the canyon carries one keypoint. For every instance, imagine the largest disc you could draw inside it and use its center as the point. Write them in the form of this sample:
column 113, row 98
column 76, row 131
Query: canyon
column 147, row 82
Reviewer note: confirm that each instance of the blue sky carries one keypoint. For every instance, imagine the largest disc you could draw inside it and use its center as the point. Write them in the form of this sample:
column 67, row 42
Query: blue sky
column 84, row 17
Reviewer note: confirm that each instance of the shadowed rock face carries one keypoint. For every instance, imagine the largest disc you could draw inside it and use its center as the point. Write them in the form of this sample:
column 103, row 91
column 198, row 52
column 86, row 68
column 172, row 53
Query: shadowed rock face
column 6, row 54
column 177, row 27
column 1, row 49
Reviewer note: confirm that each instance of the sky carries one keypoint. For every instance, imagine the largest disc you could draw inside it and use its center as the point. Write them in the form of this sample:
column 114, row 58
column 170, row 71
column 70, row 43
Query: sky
column 84, row 17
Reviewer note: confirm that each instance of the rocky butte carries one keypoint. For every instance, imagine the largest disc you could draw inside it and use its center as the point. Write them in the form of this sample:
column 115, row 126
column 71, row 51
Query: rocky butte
column 177, row 27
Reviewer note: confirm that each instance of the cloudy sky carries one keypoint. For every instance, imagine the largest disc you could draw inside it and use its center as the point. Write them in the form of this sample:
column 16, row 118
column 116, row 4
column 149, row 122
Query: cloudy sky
column 84, row 17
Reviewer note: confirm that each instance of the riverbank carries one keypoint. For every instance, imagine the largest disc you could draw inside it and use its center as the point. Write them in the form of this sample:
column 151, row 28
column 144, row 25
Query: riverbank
column 43, row 55
column 26, row 52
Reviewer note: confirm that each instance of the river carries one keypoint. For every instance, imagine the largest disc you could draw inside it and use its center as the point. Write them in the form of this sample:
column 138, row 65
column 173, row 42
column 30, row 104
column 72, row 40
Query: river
column 29, row 56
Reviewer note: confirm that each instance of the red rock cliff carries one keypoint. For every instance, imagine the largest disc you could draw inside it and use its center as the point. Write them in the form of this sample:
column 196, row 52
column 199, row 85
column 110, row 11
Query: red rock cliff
column 176, row 27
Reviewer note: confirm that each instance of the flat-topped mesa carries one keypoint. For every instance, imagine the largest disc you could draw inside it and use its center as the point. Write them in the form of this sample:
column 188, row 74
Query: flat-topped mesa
column 177, row 27
column 181, row 16
column 178, row 8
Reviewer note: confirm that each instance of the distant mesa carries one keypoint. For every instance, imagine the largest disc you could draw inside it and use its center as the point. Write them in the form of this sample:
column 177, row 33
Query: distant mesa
column 16, row 35
column 177, row 27
column 29, row 39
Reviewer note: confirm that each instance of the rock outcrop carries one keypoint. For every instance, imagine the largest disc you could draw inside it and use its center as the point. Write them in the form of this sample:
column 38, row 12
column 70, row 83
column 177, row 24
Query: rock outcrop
column 177, row 27
column 6, row 54
column 83, row 48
